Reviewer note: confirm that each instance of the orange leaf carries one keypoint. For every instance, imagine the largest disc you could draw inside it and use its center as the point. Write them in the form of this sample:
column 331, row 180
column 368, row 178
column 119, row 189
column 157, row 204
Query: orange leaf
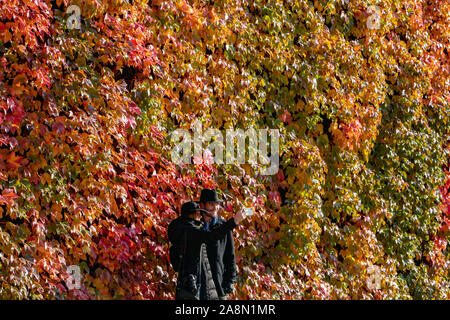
column 13, row 162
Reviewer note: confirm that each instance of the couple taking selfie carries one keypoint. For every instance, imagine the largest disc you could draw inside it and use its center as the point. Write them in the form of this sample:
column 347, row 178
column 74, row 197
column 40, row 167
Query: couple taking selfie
column 202, row 249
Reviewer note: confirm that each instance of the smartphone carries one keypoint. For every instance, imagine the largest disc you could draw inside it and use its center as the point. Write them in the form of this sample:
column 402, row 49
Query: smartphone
column 248, row 211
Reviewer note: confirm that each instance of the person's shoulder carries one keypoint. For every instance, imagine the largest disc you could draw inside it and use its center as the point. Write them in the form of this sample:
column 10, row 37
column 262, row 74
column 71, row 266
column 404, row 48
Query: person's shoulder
column 176, row 221
column 182, row 224
column 221, row 220
column 173, row 223
column 196, row 224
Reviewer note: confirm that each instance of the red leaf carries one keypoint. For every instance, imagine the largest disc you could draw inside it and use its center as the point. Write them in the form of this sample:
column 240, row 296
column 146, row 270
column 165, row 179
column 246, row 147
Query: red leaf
column 43, row 79
column 7, row 197
column 134, row 108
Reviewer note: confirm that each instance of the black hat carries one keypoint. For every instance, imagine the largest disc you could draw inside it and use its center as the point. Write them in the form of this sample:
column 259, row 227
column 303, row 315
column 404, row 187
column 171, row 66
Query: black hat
column 190, row 207
column 209, row 195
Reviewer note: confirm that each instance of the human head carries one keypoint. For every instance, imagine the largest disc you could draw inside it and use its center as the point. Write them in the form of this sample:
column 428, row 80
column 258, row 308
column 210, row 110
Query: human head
column 191, row 210
column 210, row 202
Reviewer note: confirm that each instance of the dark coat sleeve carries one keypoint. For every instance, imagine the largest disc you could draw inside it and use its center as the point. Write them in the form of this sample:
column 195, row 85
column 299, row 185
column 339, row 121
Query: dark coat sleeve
column 213, row 235
column 229, row 261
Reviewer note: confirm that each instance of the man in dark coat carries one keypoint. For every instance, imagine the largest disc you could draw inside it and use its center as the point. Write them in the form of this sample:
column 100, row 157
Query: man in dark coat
column 191, row 261
column 220, row 251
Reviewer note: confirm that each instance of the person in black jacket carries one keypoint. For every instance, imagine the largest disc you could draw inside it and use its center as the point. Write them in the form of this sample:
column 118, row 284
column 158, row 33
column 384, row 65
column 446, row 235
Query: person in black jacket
column 220, row 251
column 188, row 235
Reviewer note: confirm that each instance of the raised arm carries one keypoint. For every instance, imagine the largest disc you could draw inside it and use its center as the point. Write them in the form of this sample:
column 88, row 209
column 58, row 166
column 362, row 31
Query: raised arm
column 220, row 232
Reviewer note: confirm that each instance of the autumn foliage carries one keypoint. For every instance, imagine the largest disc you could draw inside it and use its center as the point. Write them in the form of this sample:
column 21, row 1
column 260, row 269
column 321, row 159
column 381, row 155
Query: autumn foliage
column 87, row 179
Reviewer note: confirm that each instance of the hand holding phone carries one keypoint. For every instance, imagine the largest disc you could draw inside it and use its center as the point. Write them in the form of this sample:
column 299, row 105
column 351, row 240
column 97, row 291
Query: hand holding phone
column 243, row 214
